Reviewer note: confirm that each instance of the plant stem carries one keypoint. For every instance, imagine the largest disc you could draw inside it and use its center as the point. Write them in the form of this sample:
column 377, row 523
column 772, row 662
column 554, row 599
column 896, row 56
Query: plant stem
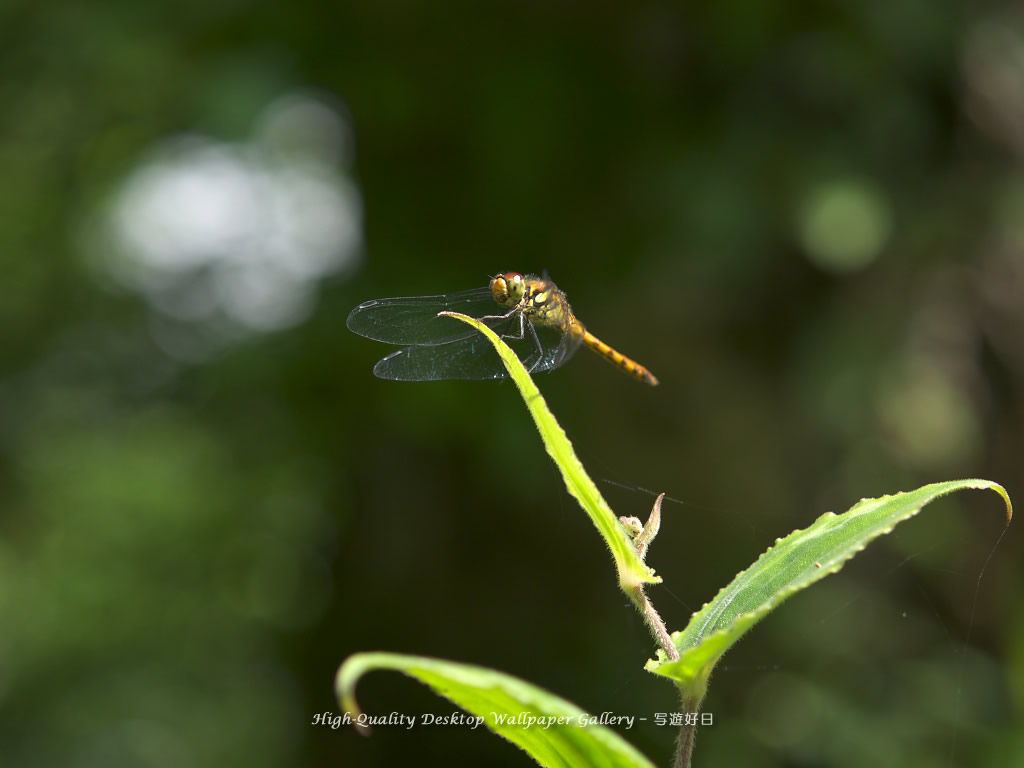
column 690, row 696
column 643, row 603
column 654, row 622
column 688, row 730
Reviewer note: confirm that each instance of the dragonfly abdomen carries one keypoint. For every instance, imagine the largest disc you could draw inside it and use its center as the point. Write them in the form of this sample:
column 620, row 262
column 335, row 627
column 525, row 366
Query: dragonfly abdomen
column 632, row 367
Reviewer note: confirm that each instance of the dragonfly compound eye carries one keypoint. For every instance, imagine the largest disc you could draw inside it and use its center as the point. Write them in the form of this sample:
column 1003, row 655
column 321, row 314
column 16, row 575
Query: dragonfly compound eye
column 508, row 289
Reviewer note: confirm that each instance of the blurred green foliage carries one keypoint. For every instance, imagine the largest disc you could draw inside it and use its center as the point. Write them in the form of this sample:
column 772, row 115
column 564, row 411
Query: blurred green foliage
column 805, row 219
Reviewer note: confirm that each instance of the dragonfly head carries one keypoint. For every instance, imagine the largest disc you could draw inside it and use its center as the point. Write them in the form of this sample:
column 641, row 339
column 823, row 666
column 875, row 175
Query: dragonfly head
column 508, row 289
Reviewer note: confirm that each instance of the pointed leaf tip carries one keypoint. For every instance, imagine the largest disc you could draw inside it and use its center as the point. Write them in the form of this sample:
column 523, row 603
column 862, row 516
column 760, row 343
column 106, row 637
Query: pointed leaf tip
column 794, row 563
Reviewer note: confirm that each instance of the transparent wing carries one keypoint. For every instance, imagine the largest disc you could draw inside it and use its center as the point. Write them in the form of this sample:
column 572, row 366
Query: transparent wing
column 473, row 357
column 414, row 320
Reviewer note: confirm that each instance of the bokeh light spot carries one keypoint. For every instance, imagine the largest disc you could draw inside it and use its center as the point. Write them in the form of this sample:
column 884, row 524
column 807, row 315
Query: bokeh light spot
column 225, row 240
column 929, row 418
column 843, row 225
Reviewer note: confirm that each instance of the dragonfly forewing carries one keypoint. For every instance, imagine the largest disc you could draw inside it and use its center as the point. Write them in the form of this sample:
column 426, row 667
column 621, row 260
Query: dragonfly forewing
column 414, row 320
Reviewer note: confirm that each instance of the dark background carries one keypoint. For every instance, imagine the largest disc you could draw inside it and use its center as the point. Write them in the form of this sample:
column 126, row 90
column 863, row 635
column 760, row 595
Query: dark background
column 807, row 219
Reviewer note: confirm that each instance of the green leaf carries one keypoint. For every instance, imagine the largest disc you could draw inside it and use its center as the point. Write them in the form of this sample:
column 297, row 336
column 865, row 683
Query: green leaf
column 630, row 567
column 504, row 704
column 794, row 563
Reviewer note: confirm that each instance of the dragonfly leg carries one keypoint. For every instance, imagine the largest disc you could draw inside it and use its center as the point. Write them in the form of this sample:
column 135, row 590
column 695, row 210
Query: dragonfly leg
column 523, row 325
column 538, row 345
column 506, row 316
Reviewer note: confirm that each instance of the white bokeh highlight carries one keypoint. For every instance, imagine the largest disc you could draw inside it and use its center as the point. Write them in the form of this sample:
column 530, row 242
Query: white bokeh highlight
column 238, row 234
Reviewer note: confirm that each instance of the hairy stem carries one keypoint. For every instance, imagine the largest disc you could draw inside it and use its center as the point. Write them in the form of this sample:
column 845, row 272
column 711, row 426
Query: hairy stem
column 654, row 622
column 642, row 540
column 690, row 702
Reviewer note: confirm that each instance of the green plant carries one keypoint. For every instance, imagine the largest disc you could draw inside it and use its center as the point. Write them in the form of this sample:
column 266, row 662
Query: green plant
column 555, row 732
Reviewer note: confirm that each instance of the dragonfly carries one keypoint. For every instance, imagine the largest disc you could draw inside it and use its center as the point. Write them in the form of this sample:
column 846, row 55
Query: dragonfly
column 528, row 312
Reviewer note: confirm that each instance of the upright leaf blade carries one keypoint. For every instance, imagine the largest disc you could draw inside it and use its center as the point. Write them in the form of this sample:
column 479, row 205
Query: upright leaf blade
column 794, row 563
column 631, row 568
column 504, row 703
